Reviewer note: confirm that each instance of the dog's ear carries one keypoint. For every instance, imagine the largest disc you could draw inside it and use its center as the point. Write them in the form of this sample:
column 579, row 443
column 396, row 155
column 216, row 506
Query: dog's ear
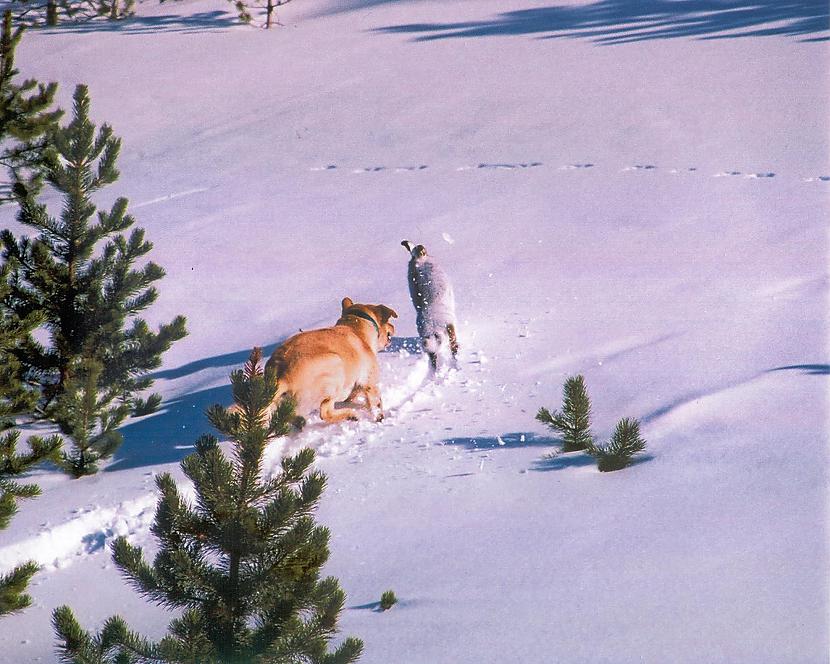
column 346, row 303
column 386, row 313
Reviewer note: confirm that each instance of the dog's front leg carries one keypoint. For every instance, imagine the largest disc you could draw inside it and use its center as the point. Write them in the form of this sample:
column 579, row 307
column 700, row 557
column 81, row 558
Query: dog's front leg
column 374, row 401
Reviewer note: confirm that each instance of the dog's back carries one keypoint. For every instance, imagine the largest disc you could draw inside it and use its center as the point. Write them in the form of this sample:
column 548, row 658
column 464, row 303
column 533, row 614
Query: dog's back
column 335, row 364
column 432, row 295
column 320, row 363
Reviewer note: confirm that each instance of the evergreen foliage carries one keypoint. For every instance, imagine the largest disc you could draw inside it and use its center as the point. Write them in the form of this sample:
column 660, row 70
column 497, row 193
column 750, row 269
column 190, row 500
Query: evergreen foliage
column 573, row 423
column 242, row 563
column 146, row 406
column 624, row 444
column 13, row 584
column 78, row 276
column 388, row 600
column 16, row 397
column 89, row 419
column 25, row 118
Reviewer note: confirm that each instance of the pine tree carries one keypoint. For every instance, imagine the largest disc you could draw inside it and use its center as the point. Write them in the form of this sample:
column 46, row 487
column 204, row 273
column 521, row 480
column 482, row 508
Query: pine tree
column 13, row 584
column 624, row 444
column 243, row 8
column 79, row 276
column 574, row 422
column 16, row 399
column 388, row 600
column 242, row 563
column 25, row 118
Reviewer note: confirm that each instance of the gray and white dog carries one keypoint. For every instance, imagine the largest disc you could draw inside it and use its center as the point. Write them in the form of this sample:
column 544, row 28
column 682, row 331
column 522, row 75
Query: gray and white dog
column 432, row 295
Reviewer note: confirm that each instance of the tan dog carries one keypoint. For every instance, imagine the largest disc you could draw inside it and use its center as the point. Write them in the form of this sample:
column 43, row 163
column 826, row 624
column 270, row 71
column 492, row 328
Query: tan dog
column 336, row 364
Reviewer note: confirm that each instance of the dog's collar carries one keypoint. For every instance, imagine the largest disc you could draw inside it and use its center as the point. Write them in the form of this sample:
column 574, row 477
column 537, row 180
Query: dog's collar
column 364, row 316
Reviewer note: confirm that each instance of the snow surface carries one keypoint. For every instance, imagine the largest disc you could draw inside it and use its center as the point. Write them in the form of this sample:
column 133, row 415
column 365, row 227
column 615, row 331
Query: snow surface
column 635, row 191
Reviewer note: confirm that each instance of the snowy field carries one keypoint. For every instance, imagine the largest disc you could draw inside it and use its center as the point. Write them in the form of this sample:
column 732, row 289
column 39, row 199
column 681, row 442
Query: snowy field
column 632, row 190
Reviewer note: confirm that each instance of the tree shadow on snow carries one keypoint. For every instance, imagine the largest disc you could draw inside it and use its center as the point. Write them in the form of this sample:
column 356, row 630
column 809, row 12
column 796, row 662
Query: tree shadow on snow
column 231, row 360
column 562, row 461
column 504, row 442
column 578, row 460
column 624, row 21
column 169, row 435
column 811, row 369
column 212, row 21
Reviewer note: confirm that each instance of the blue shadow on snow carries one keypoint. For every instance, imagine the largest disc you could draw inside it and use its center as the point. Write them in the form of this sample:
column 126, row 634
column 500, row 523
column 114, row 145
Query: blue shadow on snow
column 211, row 21
column 625, row 21
column 169, row 435
column 504, row 442
column 231, row 360
column 811, row 369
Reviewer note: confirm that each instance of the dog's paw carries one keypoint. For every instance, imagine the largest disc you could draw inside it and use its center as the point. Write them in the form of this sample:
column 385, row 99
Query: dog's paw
column 353, row 418
column 379, row 417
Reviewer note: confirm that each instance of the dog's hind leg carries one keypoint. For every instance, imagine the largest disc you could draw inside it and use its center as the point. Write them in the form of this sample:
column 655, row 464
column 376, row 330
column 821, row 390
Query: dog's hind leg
column 453, row 339
column 359, row 391
column 328, row 413
column 433, row 361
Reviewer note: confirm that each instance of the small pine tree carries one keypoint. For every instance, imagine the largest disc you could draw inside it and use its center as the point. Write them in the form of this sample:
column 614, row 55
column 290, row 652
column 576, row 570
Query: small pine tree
column 13, row 584
column 89, row 296
column 243, row 9
column 388, row 600
column 624, row 444
column 242, row 563
column 25, row 118
column 574, row 422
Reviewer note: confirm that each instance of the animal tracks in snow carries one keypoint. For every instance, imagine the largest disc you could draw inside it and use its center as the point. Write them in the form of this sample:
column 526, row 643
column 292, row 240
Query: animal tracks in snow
column 752, row 176
column 635, row 168
column 89, row 531
column 170, row 197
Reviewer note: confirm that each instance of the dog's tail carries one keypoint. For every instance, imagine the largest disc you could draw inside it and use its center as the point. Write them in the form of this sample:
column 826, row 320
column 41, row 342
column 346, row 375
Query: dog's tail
column 274, row 368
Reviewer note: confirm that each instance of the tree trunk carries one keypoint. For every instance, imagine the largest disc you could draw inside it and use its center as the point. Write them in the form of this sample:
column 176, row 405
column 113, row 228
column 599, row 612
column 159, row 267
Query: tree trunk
column 51, row 13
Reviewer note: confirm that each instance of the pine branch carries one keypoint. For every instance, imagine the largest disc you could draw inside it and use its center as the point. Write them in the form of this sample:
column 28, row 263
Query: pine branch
column 625, row 443
column 13, row 597
column 574, row 421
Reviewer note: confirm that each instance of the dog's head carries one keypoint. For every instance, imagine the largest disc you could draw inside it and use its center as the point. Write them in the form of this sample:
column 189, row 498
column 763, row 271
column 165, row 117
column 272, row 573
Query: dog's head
column 418, row 251
column 379, row 315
